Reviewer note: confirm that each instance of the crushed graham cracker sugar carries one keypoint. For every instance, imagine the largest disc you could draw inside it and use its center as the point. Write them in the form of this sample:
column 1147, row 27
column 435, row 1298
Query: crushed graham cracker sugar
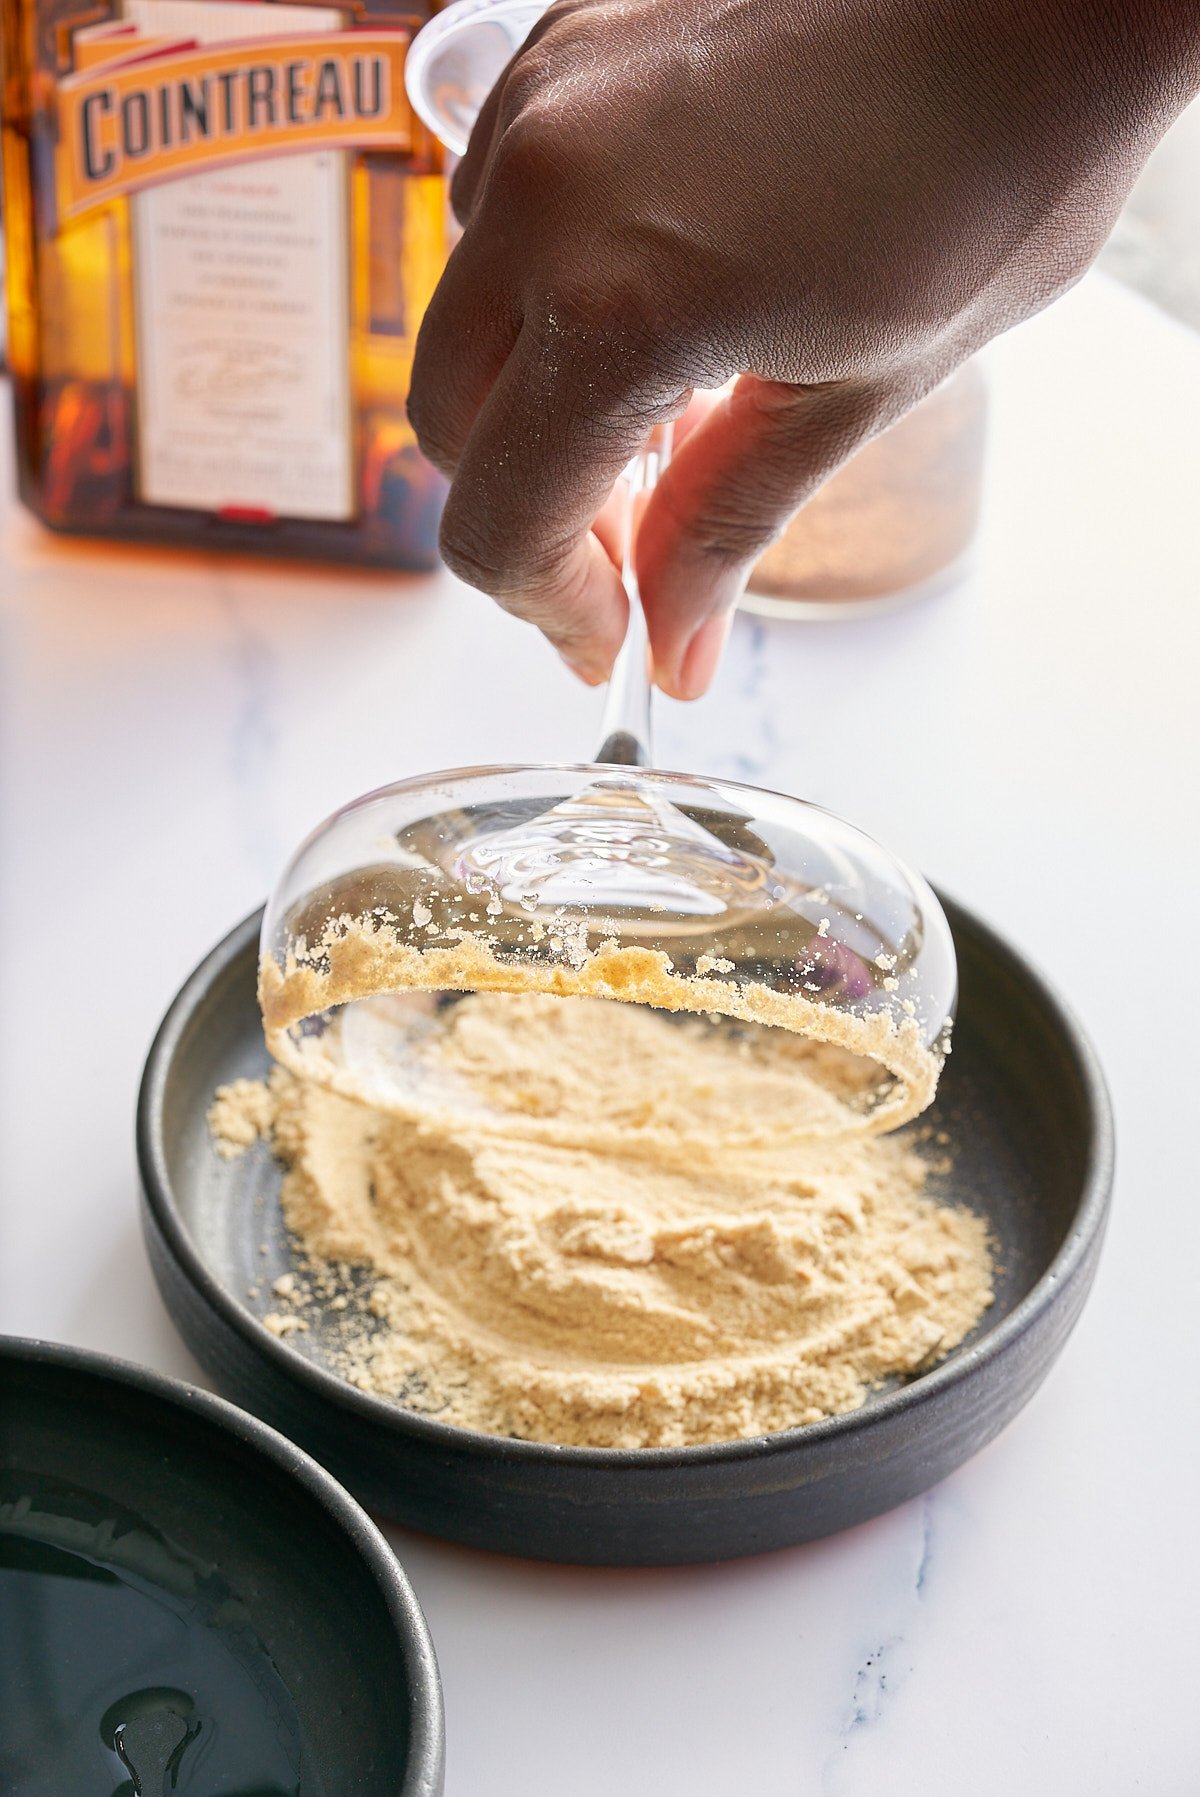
column 612, row 1297
column 240, row 1114
column 675, row 1077
column 361, row 957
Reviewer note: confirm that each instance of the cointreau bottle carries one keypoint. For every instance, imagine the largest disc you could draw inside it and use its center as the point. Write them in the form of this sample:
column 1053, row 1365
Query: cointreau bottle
column 223, row 224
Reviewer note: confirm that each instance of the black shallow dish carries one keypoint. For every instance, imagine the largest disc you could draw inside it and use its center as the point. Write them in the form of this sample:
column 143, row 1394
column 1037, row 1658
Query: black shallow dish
column 1025, row 1104
column 321, row 1588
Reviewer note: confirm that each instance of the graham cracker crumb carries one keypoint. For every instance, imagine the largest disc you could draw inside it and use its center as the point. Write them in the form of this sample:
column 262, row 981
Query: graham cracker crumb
column 611, row 1286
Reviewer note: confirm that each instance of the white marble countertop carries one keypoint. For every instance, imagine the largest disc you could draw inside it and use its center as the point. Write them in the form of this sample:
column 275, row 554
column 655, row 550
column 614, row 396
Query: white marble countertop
column 169, row 726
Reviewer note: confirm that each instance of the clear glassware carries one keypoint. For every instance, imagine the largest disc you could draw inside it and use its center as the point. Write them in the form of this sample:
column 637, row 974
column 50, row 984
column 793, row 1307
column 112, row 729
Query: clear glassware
column 750, row 906
column 456, row 57
column 600, row 880
column 895, row 524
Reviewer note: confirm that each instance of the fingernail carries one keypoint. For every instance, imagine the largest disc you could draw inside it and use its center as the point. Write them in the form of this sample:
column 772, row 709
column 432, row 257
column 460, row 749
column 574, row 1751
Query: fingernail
column 702, row 654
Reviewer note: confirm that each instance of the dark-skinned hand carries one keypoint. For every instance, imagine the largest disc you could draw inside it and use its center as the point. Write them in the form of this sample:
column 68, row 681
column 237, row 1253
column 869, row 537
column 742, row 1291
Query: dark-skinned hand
column 830, row 202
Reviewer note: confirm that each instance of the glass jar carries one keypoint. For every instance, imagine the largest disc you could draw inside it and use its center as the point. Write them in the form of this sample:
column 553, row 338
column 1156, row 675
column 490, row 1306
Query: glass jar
column 894, row 524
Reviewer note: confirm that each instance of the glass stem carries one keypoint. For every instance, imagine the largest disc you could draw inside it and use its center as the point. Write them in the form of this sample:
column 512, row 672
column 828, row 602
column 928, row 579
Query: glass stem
column 626, row 721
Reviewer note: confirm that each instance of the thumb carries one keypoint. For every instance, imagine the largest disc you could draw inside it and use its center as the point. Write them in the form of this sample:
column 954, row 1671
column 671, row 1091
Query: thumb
column 736, row 479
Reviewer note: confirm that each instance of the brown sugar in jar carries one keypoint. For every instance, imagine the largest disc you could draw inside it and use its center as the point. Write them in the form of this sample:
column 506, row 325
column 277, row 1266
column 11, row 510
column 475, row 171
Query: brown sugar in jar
column 895, row 523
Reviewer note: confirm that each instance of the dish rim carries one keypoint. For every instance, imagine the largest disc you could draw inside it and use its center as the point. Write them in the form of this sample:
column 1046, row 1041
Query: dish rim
column 424, row 1770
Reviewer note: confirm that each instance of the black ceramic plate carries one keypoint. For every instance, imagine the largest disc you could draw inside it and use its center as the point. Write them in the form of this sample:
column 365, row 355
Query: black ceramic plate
column 261, row 1568
column 1025, row 1105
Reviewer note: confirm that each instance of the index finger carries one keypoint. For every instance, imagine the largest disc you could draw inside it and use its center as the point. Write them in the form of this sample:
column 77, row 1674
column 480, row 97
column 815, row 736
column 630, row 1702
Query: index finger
column 544, row 451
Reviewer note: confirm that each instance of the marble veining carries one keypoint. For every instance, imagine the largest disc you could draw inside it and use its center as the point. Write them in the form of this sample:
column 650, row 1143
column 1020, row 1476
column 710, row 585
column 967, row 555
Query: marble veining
column 883, row 1671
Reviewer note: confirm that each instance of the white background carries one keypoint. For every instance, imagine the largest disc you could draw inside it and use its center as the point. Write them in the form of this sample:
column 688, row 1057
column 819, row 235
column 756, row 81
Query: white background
column 170, row 725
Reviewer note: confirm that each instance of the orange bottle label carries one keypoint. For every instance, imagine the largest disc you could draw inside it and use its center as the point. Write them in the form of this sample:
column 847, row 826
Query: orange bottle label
column 139, row 110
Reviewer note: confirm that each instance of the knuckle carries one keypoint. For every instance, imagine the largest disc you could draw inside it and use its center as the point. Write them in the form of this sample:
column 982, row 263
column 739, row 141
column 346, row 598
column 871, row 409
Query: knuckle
column 631, row 369
column 730, row 537
column 468, row 553
column 417, row 407
column 523, row 86
column 796, row 425
column 534, row 581
column 528, row 161
column 434, row 437
column 463, row 188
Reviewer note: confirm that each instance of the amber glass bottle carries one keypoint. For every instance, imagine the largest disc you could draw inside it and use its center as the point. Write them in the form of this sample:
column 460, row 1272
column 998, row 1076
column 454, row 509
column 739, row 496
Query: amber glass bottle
column 223, row 224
